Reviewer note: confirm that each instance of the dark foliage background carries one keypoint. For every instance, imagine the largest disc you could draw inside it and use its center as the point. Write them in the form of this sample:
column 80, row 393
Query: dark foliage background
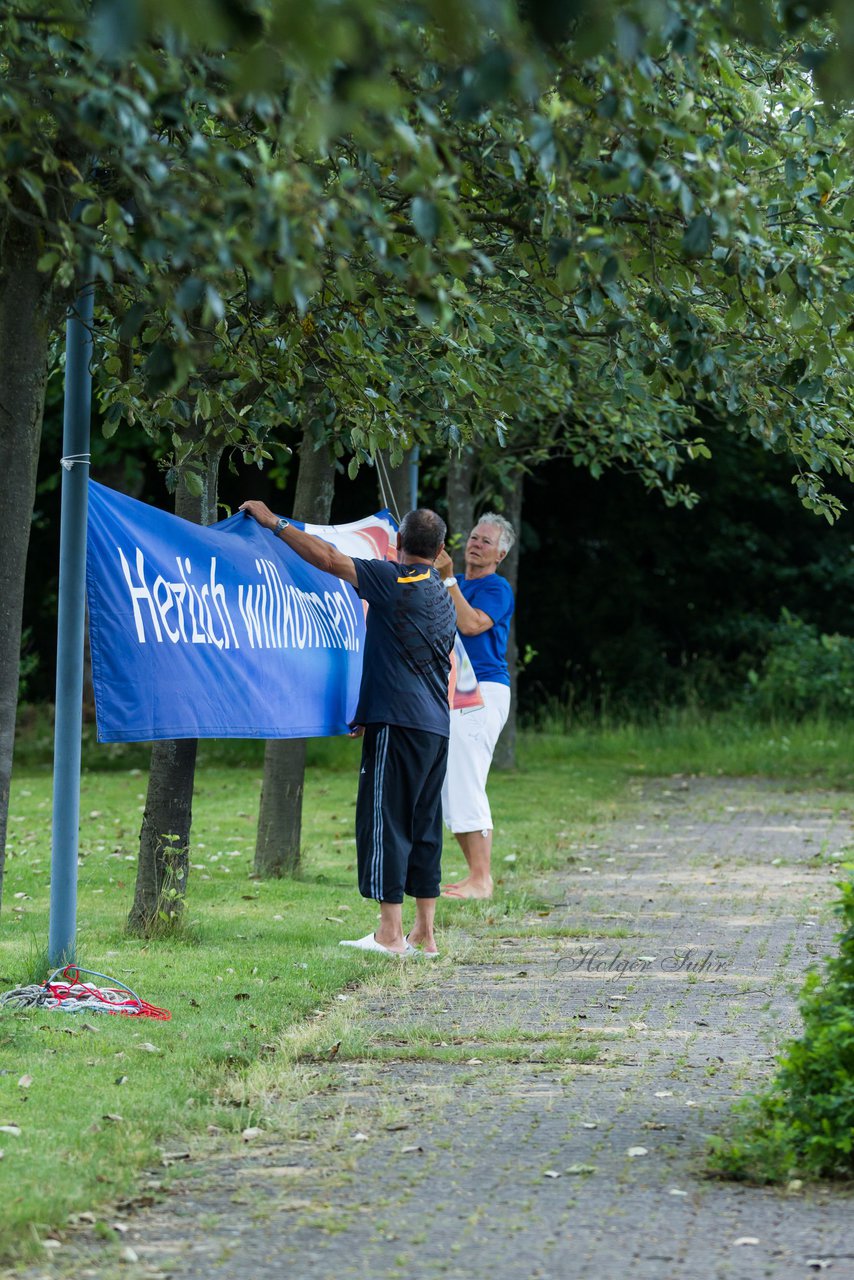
column 632, row 604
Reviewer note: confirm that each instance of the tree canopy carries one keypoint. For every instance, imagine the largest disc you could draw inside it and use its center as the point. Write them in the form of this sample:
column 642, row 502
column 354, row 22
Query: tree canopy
column 343, row 219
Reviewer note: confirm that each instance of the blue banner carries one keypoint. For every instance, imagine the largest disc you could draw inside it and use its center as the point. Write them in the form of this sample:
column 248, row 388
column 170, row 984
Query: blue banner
column 219, row 632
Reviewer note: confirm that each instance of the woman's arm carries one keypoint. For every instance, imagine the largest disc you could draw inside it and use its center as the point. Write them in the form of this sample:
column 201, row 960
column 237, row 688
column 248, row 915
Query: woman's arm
column 470, row 621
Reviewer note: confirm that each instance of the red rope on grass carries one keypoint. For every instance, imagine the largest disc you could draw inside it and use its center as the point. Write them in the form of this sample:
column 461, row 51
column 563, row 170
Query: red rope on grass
column 74, row 996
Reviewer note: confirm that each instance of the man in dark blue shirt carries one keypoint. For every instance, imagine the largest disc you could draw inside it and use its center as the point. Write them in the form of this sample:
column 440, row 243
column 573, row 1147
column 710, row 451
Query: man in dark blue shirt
column 404, row 712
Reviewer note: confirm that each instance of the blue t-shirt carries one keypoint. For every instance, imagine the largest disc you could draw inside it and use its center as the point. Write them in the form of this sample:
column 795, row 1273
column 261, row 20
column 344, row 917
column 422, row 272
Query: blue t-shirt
column 410, row 634
column 493, row 595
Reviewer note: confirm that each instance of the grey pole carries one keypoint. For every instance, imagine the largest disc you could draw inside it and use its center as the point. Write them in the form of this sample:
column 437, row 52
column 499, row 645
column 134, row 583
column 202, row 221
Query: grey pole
column 62, row 939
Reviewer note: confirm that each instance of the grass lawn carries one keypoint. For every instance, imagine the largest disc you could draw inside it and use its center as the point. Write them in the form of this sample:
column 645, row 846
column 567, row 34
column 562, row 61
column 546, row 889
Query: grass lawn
column 86, row 1102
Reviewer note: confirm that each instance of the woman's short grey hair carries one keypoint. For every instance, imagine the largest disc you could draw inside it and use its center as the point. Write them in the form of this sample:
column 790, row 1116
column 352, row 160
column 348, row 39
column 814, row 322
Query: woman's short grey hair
column 506, row 533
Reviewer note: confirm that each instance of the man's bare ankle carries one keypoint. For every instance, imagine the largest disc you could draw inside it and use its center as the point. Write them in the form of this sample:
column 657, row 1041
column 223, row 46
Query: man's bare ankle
column 391, row 941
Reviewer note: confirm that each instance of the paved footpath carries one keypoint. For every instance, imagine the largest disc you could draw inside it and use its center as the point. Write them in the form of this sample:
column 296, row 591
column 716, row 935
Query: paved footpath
column 564, row 1137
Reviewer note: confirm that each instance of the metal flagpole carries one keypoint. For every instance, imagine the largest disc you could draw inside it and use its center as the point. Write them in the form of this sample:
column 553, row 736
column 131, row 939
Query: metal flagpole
column 70, row 625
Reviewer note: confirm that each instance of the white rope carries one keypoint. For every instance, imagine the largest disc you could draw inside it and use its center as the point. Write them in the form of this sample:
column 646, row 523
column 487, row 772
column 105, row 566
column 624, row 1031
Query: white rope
column 386, row 489
column 69, row 997
column 75, row 459
column 21, row 997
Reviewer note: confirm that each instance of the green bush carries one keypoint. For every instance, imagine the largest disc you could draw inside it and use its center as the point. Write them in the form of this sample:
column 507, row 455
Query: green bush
column 803, row 1124
column 804, row 672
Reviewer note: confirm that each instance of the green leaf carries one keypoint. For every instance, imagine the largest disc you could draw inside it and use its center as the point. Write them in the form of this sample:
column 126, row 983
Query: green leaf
column 34, row 186
column 214, row 305
column 131, row 321
column 115, row 27
column 159, row 369
column 111, row 419
column 698, row 236
column 92, row 214
column 794, row 172
column 425, row 218
column 190, row 294
column 194, row 483
column 427, row 310
column 810, row 389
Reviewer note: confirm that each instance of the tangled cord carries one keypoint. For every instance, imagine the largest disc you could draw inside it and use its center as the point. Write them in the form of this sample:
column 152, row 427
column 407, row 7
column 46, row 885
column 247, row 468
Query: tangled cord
column 69, row 994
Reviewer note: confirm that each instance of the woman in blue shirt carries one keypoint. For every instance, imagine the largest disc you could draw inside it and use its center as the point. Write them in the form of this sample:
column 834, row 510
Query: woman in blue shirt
column 484, row 606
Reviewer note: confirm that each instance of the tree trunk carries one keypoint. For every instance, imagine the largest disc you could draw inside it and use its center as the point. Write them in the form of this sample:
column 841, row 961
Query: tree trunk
column 279, row 836
column 277, row 843
column 460, row 486
column 164, row 838
column 26, row 321
column 505, row 750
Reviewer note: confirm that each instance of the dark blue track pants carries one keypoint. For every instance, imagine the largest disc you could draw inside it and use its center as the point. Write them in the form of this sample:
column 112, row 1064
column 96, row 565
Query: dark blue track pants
column 399, row 813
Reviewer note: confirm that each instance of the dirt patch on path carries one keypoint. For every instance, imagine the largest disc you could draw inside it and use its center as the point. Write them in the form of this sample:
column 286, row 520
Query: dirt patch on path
column 541, row 1110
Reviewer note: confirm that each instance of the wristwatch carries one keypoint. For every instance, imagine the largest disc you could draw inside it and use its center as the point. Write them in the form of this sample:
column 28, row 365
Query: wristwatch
column 449, row 582
column 281, row 524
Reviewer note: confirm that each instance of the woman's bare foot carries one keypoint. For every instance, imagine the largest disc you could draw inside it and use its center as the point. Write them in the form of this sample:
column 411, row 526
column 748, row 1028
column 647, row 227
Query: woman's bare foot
column 477, row 849
column 422, row 942
column 469, row 888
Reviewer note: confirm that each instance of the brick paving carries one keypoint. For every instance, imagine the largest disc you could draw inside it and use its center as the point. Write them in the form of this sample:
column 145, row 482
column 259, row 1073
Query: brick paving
column 704, row 912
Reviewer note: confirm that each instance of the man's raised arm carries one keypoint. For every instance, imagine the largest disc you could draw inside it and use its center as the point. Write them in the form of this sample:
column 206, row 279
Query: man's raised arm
column 316, row 552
